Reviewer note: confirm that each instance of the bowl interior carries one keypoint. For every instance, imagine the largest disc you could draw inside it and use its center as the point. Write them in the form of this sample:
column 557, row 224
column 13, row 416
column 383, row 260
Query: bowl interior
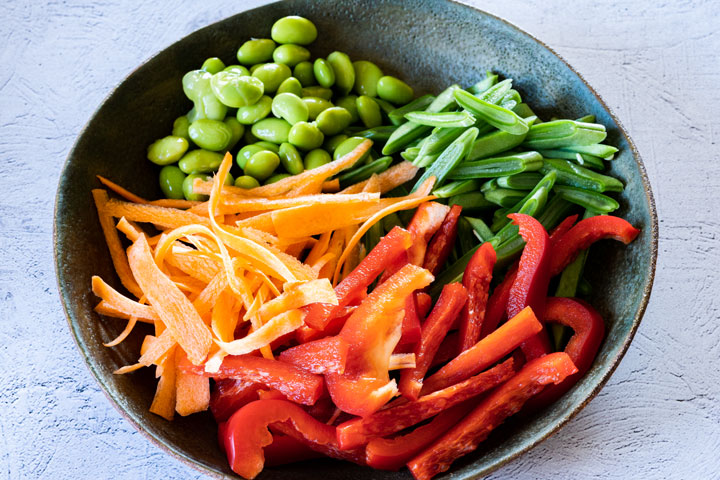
column 430, row 44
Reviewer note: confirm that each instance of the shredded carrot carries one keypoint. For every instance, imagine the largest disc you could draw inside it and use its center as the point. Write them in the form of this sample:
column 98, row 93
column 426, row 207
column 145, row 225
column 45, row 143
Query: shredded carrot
column 391, row 178
column 319, row 249
column 163, row 403
column 123, row 335
column 161, row 216
column 335, row 248
column 128, row 369
column 276, row 327
column 175, row 203
column 223, row 321
column 114, row 301
column 239, row 204
column 157, row 348
column 331, row 186
column 127, row 195
column 296, row 295
column 192, row 392
column 131, row 231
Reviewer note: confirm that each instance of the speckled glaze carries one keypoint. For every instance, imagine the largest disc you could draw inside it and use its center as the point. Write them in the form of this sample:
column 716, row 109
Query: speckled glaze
column 438, row 44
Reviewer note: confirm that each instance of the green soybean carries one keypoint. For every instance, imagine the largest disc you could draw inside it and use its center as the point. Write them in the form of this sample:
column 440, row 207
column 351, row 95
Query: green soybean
column 236, row 128
column 213, row 65
column 267, row 146
column 347, row 146
column 394, row 90
column 197, row 87
column 200, row 161
column 245, row 153
column 249, row 138
column 273, row 130
column 349, row 103
column 290, row 85
column 236, row 90
column 333, row 120
column 315, row 106
column 254, row 113
column 305, row 136
column 171, row 182
column 294, row 29
column 180, row 127
column 272, row 75
column 331, row 143
column 303, row 71
column 290, row 54
column 290, row 159
column 367, row 75
column 237, row 69
column 316, row 91
column 247, row 182
column 324, row 73
column 277, row 177
column 255, row 67
column 369, row 111
column 167, row 150
column 262, row 165
column 290, row 107
column 257, row 50
column 187, row 187
column 316, row 158
column 210, row 134
column 344, row 72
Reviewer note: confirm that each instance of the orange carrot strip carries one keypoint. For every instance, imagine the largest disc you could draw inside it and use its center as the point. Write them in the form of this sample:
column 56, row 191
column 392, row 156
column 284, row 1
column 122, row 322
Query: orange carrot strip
column 126, row 194
column 115, row 301
column 192, row 391
column 207, row 298
column 275, row 328
column 391, row 178
column 223, row 321
column 123, row 335
column 261, row 222
column 175, row 203
column 197, row 266
column 128, row 369
column 161, row 216
column 331, row 186
column 131, row 231
column 319, row 249
column 296, row 295
column 157, row 348
column 163, row 403
column 237, row 204
column 335, row 248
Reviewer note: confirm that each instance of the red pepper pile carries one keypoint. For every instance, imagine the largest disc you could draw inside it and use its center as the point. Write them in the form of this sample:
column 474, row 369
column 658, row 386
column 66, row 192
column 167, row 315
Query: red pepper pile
column 333, row 394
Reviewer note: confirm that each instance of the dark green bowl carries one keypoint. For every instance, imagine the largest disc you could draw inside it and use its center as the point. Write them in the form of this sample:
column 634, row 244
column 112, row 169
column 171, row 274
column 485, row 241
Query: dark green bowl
column 428, row 43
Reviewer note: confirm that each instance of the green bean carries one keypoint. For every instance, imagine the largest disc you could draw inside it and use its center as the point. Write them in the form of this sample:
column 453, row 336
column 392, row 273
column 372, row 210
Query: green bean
column 394, row 90
column 586, row 119
column 480, row 228
column 503, row 196
column 438, row 140
column 442, row 119
column 210, row 134
column 236, row 90
column 497, row 116
column 331, row 143
column 290, row 54
column 245, row 153
column 606, row 152
column 303, row 71
column 495, row 93
column 255, row 51
column 315, row 106
column 275, row 130
column 265, row 145
column 524, row 110
column 171, row 182
column 564, row 133
column 391, row 221
column 511, row 99
column 262, row 165
column 290, row 85
column 588, row 161
column 426, row 160
column 368, row 111
column 237, row 70
column 456, row 188
column 247, row 182
column 587, row 199
column 520, row 181
column 397, row 116
column 385, row 107
column 471, row 202
column 251, row 114
column 187, row 187
column 498, row 166
column 491, row 184
column 294, row 29
column 333, row 120
column 344, row 72
column 237, row 130
column 410, row 131
column 496, row 142
column 367, row 75
column 305, row 136
column 410, row 153
column 365, row 171
column 290, row 107
column 272, row 75
column 449, row 158
column 213, row 65
column 377, row 134
column 324, row 73
column 167, row 150
column 347, row 146
column 530, row 204
column 180, row 127
column 484, row 84
column 466, row 240
column 373, row 235
column 200, row 161
column 574, row 175
column 316, row 158
column 290, row 159
column 277, row 177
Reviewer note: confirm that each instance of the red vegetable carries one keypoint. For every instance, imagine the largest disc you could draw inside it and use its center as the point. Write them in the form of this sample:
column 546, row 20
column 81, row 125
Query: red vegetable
column 411, row 329
column 447, row 308
column 476, row 280
column 228, row 395
column 285, row 449
column 424, row 303
column 496, row 310
column 357, row 432
column 506, row 400
column 443, row 241
column 562, row 228
column 320, row 356
column 585, row 233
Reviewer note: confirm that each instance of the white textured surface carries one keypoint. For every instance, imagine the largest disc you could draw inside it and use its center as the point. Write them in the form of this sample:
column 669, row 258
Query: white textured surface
column 655, row 63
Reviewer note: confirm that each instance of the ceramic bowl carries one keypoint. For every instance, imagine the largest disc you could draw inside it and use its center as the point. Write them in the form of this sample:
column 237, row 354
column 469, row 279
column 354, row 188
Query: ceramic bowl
column 430, row 44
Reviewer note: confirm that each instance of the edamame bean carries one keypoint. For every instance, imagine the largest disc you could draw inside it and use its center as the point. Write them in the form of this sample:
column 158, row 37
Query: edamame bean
column 167, row 150
column 294, row 29
column 331, row 143
column 315, row 106
column 344, row 71
column 305, row 136
column 196, row 85
column 235, row 90
column 171, row 182
column 255, row 67
column 200, row 161
column 246, row 181
column 369, row 111
column 290, row 107
column 276, row 178
column 291, row 85
column 272, row 75
column 268, row 146
column 304, row 72
column 187, row 188
column 210, row 134
column 249, row 138
column 237, row 69
column 367, row 75
column 262, row 165
column 237, row 130
column 333, row 120
column 290, row 54
column 257, row 50
column 246, row 152
column 291, row 159
column 349, row 103
column 347, row 146
column 180, row 127
column 324, row 73
column 213, row 65
column 254, row 113
column 315, row 91
column 273, row 130
column 316, row 158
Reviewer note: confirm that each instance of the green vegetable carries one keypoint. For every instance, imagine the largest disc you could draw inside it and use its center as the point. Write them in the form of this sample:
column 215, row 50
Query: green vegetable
column 397, row 116
column 167, row 150
column 262, row 165
column 333, row 120
column 574, row 175
column 520, row 181
column 316, row 105
column 368, row 111
column 236, row 90
column 255, row 51
column 290, row 85
column 294, row 29
column 180, row 127
column 290, row 54
column 349, row 103
column 480, row 228
column 273, row 130
column 367, row 75
column 187, row 187
column 498, row 166
column 272, row 75
column 290, row 107
column 364, row 172
column 471, row 202
column 290, row 159
column 497, row 116
column 373, row 235
column 605, row 152
column 324, row 73
column 484, row 84
column 267, row 146
column 197, row 87
column 305, row 136
column 210, row 134
column 347, row 146
column 503, row 196
column 276, row 178
column 456, row 188
column 564, row 133
column 200, row 161
column 213, row 65
column 237, row 69
column 344, row 72
column 246, row 181
column 442, row 119
column 591, row 200
column 303, row 71
column 525, row 111
column 171, row 182
column 586, row 119
column 331, row 143
column 385, row 107
column 496, row 142
column 377, row 134
column 449, row 158
column 438, row 140
column 245, row 153
column 237, row 130
column 316, row 158
column 254, row 113
column 394, row 90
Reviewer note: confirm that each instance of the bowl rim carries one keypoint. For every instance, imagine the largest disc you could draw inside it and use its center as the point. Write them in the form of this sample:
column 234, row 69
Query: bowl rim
column 504, row 459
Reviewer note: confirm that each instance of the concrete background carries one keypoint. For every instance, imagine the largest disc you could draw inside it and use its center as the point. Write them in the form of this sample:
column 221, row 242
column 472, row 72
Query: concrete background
column 654, row 62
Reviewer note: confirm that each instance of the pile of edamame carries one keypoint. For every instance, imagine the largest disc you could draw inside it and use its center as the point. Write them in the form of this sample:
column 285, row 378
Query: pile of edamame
column 279, row 113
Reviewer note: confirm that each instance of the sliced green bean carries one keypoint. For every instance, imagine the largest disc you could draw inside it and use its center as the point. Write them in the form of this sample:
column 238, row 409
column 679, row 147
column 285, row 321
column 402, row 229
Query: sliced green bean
column 364, row 172
column 373, row 235
column 564, row 133
column 453, row 155
column 588, row 161
column 521, row 181
column 497, row 116
column 466, row 240
column 484, row 84
column 606, row 152
column 439, row 139
column 385, row 106
column 426, row 160
column 496, row 142
column 377, row 134
column 495, row 93
column 456, row 188
column 498, row 166
column 397, row 116
column 471, row 202
column 480, row 228
column 491, row 184
column 587, row 199
column 574, row 175
column 586, row 119
column 410, row 153
column 504, row 196
column 524, row 110
column 442, row 119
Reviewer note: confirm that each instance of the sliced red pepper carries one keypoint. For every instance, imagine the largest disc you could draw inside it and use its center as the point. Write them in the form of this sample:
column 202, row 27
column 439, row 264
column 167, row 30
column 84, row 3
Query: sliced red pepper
column 589, row 331
column 424, row 304
column 270, row 394
column 486, row 352
column 306, row 334
column 447, row 308
column 448, row 349
column 323, row 410
column 392, row 246
column 246, row 434
column 443, row 241
column 411, row 329
column 320, row 356
column 562, row 228
column 586, row 232
column 506, row 400
column 531, row 283
column 476, row 280
column 358, row 431
column 297, row 384
column 373, row 331
column 496, row 310
column 228, row 395
column 285, row 449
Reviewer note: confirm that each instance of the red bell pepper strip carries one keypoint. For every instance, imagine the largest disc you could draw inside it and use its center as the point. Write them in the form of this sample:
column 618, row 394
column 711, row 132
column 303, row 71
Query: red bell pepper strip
column 297, row 384
column 586, row 232
column 476, row 280
column 285, row 449
column 306, row 334
column 411, row 328
column 228, row 395
column 486, row 352
column 358, row 431
column 443, row 241
column 447, row 308
column 448, row 349
column 390, row 248
column 589, row 331
column 320, row 356
column 373, row 331
column 271, row 394
column 531, row 283
column 424, row 304
column 562, row 228
column 496, row 310
column 246, row 433
column 506, row 400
